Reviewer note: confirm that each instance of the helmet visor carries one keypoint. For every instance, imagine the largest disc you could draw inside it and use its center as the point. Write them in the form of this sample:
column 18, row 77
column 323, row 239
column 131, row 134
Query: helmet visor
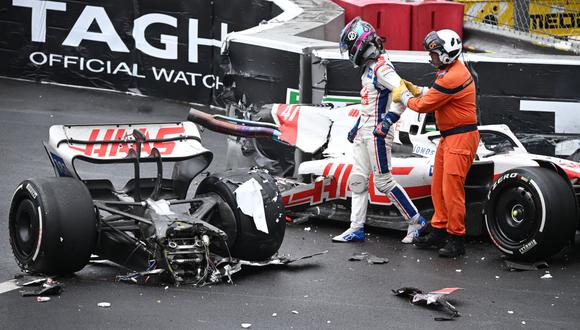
column 349, row 35
column 432, row 42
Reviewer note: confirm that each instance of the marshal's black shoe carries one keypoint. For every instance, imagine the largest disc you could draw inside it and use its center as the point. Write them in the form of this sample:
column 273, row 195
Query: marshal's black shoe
column 453, row 248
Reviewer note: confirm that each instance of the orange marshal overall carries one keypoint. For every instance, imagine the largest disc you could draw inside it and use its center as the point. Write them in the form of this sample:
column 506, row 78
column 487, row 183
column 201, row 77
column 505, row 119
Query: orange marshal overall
column 452, row 97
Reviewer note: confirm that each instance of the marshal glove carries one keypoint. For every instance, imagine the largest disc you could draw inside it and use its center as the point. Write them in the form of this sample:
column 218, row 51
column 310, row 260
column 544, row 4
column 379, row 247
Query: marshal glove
column 414, row 89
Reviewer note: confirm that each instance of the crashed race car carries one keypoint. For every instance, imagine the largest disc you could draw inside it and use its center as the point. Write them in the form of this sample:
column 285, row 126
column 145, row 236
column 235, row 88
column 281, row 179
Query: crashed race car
column 527, row 203
column 148, row 226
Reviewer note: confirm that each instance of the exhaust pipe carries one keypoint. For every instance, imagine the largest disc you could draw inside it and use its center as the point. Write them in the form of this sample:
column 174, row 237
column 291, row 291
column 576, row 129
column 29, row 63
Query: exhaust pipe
column 214, row 124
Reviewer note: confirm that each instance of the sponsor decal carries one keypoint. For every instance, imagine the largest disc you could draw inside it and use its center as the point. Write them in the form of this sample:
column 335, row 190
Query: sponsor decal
column 94, row 24
column 96, row 65
column 288, row 119
column 104, row 150
column 352, row 35
column 288, row 113
column 370, row 73
column 354, row 112
column 31, row 190
column 557, row 17
column 95, row 16
column 364, row 95
column 337, row 187
column 424, row 151
column 322, row 190
column 358, row 183
column 555, row 21
column 503, row 177
column 60, row 166
column 528, row 246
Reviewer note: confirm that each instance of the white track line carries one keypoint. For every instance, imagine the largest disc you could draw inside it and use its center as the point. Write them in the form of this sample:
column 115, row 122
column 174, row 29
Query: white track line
column 8, row 286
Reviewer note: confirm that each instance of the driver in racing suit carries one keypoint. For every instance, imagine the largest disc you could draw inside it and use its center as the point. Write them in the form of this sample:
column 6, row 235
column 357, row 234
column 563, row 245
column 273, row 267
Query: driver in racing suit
column 373, row 132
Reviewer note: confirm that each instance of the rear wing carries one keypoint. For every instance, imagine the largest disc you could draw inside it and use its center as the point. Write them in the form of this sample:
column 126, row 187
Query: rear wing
column 116, row 143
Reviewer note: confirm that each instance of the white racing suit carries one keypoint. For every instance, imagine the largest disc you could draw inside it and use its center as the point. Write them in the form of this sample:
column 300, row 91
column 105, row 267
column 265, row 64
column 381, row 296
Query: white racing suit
column 373, row 153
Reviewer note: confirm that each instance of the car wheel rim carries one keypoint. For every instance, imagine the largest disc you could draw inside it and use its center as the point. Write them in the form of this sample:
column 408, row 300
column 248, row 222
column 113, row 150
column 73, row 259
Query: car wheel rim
column 26, row 229
column 517, row 215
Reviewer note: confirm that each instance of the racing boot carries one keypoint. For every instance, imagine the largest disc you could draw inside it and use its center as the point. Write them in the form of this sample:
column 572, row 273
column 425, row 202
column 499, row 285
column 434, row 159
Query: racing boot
column 453, row 248
column 414, row 229
column 435, row 239
column 350, row 235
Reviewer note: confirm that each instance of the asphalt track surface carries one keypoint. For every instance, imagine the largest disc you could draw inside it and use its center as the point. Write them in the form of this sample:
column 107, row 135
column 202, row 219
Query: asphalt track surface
column 325, row 292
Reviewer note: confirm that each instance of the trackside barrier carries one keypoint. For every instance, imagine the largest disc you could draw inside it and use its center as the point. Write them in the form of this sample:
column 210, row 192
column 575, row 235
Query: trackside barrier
column 391, row 19
column 405, row 24
column 434, row 15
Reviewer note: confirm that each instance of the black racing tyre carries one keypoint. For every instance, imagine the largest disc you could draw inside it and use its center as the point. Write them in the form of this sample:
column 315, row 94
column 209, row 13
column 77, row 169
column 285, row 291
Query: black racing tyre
column 249, row 242
column 52, row 225
column 530, row 213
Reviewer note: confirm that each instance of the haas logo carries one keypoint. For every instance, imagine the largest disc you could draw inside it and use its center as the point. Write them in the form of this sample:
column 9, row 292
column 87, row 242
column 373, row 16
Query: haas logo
column 115, row 149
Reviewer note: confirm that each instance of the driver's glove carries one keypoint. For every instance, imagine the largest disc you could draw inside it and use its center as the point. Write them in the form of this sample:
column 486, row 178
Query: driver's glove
column 383, row 128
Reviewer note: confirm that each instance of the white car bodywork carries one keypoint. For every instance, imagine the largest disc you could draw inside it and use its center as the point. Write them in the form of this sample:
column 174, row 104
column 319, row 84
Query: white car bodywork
column 111, row 143
column 314, row 126
column 323, row 129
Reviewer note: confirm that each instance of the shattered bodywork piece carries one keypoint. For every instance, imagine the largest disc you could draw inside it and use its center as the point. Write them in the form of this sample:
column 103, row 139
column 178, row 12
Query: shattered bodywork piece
column 36, row 286
column 221, row 271
column 435, row 299
column 523, row 266
column 371, row 259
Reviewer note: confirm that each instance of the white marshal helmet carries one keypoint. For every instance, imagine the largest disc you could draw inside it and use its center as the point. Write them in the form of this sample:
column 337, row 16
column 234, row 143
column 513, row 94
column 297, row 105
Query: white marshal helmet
column 446, row 43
